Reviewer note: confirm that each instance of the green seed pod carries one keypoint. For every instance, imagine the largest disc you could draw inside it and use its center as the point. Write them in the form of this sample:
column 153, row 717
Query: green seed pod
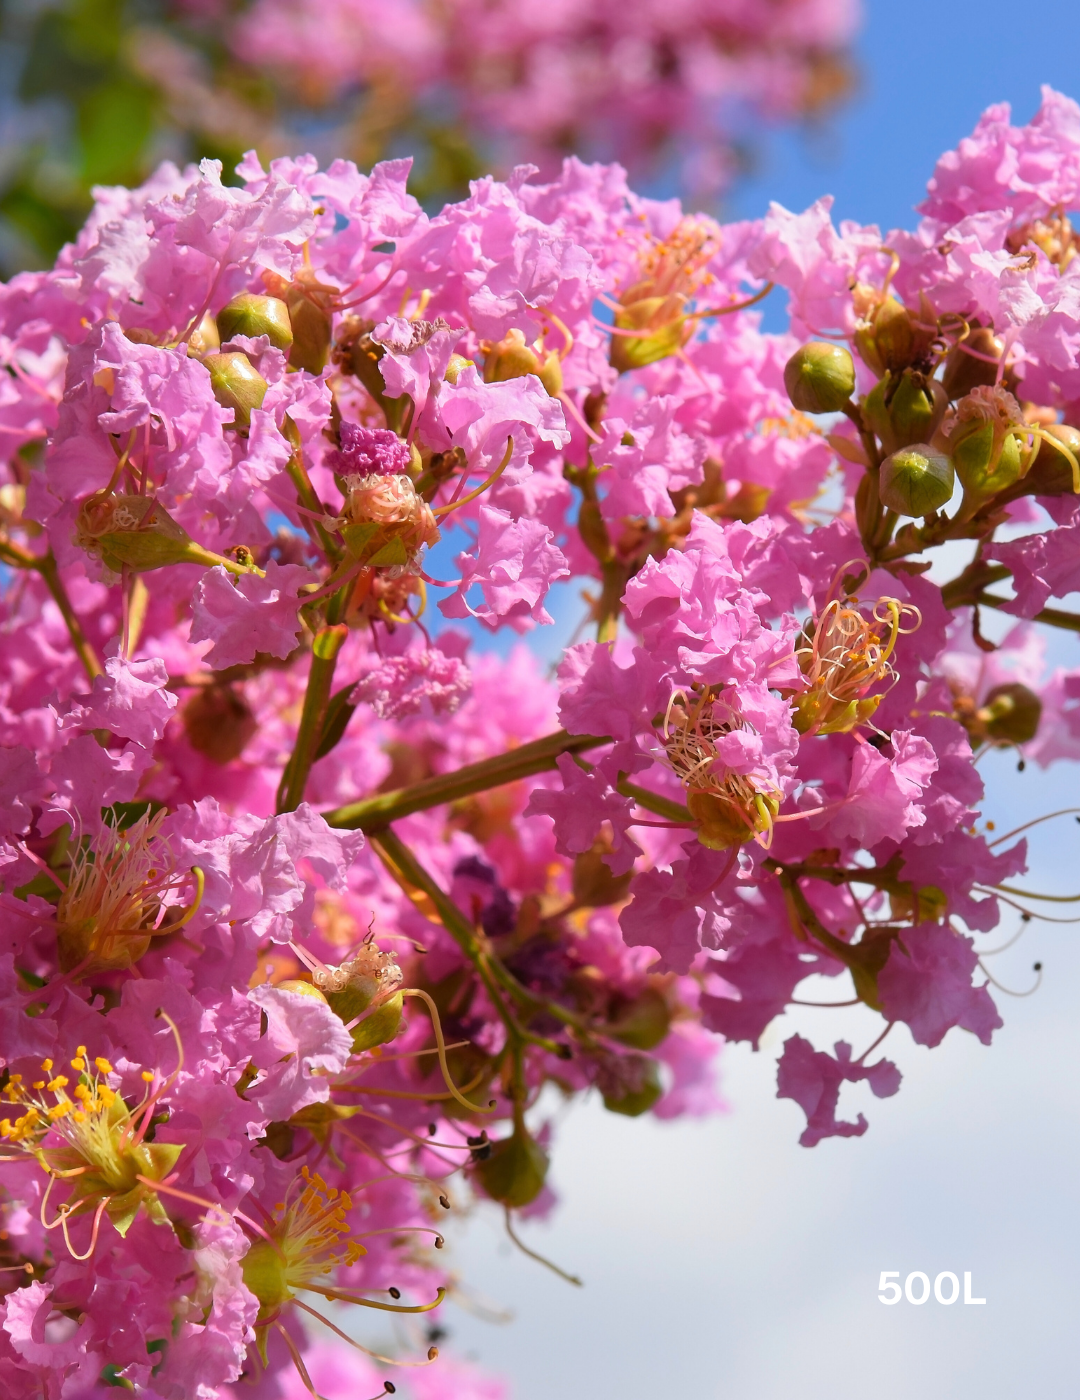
column 819, row 377
column 964, row 370
column 237, row 384
column 301, row 988
column 252, row 315
column 594, row 886
column 916, row 480
column 137, row 533
column 1011, row 714
column 515, row 1170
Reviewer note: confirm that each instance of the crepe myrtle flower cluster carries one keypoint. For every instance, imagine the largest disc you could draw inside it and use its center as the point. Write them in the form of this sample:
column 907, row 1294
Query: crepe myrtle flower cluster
column 303, row 904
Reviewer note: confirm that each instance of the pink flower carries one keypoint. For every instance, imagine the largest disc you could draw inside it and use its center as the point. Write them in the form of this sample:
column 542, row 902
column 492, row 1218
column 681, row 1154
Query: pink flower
column 304, row 1044
column 130, row 700
column 813, row 1079
column 245, row 616
column 416, row 680
column 927, row 983
column 515, row 563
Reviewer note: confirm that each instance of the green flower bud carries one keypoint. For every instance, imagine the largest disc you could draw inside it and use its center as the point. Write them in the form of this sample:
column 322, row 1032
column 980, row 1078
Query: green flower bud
column 1010, row 714
column 916, row 480
column 634, row 1102
column 665, row 330
column 643, row 1022
column 237, row 384
column 964, row 370
column 252, row 315
column 204, row 339
column 137, row 533
column 904, row 409
column 454, row 366
column 819, row 377
column 987, row 461
column 1052, row 473
column 515, row 1169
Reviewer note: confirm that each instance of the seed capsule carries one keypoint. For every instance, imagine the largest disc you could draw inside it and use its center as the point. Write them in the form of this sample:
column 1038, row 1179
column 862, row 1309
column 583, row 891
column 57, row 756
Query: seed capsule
column 916, row 480
column 819, row 377
column 253, row 315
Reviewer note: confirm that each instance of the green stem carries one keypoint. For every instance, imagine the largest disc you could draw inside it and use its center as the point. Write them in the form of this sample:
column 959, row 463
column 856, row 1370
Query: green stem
column 654, row 802
column 47, row 568
column 401, row 862
column 375, row 813
column 1053, row 617
column 305, row 493
column 324, row 655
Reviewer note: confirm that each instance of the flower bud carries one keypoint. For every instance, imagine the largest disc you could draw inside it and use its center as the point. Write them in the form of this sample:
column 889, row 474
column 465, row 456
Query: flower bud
column 634, row 1101
column 513, row 1172
column 916, row 480
column 252, row 315
column 664, row 331
column 643, row 1022
column 819, row 377
column 135, row 532
column 1010, row 714
column 511, row 358
column 205, row 338
column 972, row 362
column 310, row 305
column 237, row 384
column 455, row 365
column 218, row 722
column 594, row 886
column 906, row 408
column 1052, row 473
column 386, row 523
column 300, row 989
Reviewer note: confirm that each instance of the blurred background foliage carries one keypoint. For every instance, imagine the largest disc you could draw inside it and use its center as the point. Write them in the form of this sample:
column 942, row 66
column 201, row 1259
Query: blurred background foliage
column 98, row 92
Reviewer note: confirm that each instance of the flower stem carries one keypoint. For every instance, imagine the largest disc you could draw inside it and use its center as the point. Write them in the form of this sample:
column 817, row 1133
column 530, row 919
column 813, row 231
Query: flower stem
column 374, row 813
column 324, row 655
column 47, row 568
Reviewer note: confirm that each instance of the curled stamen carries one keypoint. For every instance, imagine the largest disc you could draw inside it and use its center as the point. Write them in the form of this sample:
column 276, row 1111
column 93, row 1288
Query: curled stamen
column 432, row 1355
